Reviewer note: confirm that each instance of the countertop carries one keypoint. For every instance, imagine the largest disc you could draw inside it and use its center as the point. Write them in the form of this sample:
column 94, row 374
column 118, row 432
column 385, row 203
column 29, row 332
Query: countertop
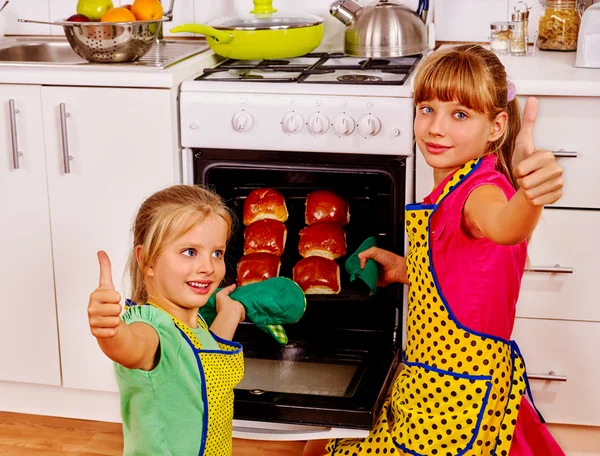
column 551, row 73
column 106, row 75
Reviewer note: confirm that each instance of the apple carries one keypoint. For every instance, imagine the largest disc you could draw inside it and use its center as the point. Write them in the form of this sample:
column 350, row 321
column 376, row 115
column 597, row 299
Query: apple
column 94, row 9
column 78, row 18
column 127, row 6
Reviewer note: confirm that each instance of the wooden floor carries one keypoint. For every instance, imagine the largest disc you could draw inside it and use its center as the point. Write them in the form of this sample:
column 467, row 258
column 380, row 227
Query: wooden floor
column 32, row 435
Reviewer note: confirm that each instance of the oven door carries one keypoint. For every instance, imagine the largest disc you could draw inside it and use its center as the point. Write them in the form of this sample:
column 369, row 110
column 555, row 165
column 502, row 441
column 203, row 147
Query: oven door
column 342, row 355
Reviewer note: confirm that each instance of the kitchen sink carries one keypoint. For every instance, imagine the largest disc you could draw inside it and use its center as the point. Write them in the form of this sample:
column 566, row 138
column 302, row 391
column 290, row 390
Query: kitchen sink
column 57, row 51
column 42, row 52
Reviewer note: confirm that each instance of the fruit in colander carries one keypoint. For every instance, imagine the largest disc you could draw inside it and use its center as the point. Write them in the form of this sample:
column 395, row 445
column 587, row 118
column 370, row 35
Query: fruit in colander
column 118, row 15
column 147, row 10
column 94, row 9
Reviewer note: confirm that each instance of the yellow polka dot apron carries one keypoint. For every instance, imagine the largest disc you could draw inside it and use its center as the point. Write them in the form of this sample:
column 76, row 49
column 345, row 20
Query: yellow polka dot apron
column 459, row 391
column 220, row 371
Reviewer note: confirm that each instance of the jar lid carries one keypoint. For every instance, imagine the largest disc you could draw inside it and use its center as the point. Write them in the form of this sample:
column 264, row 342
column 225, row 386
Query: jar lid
column 501, row 26
column 520, row 16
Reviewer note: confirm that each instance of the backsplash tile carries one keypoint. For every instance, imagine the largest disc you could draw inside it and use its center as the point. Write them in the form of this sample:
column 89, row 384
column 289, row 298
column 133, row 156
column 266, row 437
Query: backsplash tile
column 30, row 9
column 467, row 20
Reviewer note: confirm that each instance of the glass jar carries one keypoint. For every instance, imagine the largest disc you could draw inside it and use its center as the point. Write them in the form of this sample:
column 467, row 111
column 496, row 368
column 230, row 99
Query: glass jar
column 559, row 25
column 520, row 34
column 500, row 35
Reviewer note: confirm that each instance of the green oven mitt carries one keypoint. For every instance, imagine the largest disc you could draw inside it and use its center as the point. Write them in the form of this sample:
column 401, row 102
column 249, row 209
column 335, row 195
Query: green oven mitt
column 269, row 304
column 370, row 274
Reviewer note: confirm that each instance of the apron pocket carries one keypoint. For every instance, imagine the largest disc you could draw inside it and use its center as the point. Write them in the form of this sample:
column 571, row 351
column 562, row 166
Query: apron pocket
column 437, row 412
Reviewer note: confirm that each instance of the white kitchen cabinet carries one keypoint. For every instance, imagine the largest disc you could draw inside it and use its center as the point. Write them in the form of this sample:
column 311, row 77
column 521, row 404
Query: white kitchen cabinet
column 122, row 146
column 28, row 332
column 564, row 257
column 567, row 126
column 562, row 349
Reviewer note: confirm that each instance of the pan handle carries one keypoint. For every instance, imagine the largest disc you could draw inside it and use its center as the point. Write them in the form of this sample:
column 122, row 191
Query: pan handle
column 219, row 35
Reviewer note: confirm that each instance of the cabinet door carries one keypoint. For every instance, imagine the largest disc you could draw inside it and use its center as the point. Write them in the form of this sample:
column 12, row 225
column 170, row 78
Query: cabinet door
column 122, row 147
column 28, row 332
column 563, row 368
column 566, row 126
column 560, row 280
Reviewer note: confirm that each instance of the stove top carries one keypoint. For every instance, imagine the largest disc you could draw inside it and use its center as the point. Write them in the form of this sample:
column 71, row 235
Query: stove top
column 319, row 68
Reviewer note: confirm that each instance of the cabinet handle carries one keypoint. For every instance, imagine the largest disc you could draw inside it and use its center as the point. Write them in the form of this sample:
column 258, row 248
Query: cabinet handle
column 558, row 269
column 550, row 377
column 564, row 153
column 65, row 138
column 13, row 133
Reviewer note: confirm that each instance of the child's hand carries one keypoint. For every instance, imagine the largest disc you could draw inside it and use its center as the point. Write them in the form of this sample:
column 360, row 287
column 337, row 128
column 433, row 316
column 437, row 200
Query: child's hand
column 535, row 171
column 391, row 266
column 104, row 307
column 228, row 305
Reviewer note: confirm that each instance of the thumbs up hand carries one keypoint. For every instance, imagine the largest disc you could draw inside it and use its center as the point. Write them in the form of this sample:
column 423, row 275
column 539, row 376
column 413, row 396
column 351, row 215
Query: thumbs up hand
column 535, row 171
column 104, row 307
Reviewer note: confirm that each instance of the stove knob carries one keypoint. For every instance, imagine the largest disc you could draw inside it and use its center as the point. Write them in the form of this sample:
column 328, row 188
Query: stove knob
column 369, row 125
column 318, row 124
column 242, row 122
column 292, row 123
column 343, row 125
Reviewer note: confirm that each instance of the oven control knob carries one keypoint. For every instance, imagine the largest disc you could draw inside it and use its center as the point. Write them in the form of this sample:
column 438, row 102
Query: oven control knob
column 369, row 125
column 292, row 123
column 318, row 124
column 343, row 125
column 242, row 122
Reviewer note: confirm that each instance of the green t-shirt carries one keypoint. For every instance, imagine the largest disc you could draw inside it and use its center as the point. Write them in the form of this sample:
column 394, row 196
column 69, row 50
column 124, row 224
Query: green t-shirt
column 162, row 409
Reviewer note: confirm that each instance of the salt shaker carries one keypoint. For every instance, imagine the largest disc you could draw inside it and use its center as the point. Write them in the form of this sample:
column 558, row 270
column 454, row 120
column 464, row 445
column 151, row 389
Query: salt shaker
column 520, row 33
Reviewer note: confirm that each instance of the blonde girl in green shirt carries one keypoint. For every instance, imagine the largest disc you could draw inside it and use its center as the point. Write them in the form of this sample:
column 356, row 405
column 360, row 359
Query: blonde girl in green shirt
column 175, row 375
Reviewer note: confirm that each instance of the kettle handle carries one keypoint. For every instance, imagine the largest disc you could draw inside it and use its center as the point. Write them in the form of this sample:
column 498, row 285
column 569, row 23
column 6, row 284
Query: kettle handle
column 219, row 35
column 345, row 10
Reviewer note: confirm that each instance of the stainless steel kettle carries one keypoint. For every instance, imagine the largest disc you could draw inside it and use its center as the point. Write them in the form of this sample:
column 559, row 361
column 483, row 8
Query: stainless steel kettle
column 384, row 29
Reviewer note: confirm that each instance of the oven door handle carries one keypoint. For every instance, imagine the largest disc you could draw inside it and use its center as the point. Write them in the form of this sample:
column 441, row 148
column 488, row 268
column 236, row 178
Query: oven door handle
column 259, row 430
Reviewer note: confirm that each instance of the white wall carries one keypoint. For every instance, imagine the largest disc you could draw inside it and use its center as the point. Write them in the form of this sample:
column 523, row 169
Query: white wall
column 185, row 11
column 456, row 20
column 469, row 20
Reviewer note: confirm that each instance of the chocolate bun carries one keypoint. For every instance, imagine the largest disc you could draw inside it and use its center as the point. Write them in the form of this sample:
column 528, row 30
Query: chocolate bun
column 326, row 206
column 257, row 267
column 317, row 275
column 266, row 235
column 264, row 203
column 322, row 239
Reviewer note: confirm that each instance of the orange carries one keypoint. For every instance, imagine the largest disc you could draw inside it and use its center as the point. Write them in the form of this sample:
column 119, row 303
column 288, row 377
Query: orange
column 118, row 15
column 147, row 10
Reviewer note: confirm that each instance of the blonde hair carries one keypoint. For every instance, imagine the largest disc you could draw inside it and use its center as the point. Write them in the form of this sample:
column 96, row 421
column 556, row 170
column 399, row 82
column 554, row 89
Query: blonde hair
column 164, row 216
column 475, row 78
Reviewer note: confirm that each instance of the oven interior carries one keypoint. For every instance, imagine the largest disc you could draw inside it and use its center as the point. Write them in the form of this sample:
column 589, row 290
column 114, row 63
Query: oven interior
column 341, row 352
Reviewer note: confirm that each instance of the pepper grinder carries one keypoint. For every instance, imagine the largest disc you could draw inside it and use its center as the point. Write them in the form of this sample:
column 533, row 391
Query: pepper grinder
column 520, row 34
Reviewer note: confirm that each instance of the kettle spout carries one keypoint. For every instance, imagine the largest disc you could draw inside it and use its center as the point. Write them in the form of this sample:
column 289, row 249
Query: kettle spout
column 345, row 10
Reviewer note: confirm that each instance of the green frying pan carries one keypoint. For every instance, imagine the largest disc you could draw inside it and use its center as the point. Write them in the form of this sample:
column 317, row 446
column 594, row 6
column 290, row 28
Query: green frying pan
column 263, row 34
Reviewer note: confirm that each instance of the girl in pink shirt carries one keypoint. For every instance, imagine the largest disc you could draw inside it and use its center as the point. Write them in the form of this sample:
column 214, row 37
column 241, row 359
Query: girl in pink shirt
column 463, row 386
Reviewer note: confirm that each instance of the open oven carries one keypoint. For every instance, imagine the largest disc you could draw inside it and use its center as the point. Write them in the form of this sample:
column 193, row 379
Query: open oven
column 318, row 122
column 343, row 353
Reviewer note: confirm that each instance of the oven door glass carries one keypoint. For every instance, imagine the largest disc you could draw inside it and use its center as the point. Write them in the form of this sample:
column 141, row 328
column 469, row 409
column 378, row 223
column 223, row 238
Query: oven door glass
column 342, row 354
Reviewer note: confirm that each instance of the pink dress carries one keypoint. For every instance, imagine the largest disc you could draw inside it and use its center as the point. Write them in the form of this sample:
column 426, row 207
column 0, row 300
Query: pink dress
column 481, row 282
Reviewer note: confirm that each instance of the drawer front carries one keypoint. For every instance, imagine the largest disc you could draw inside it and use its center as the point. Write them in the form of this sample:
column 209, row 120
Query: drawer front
column 564, row 240
column 571, row 124
column 567, row 349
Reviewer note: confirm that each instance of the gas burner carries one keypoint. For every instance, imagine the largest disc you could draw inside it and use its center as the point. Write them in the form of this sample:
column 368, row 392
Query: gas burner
column 244, row 75
column 374, row 62
column 320, row 68
column 354, row 78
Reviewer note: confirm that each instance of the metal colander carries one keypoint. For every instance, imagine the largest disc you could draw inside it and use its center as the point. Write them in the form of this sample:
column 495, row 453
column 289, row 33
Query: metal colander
column 112, row 42
column 107, row 42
